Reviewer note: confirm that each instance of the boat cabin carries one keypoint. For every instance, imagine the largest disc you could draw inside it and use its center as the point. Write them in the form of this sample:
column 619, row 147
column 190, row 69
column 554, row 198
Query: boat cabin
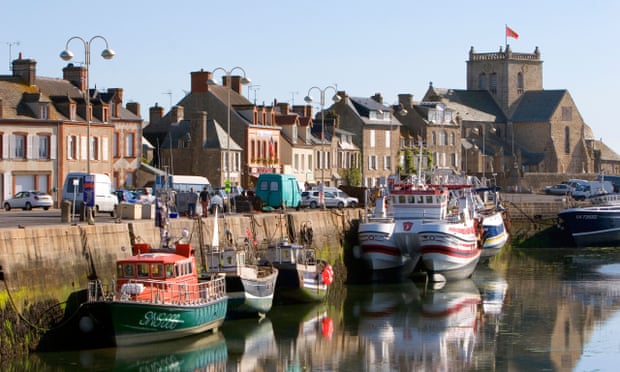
column 410, row 202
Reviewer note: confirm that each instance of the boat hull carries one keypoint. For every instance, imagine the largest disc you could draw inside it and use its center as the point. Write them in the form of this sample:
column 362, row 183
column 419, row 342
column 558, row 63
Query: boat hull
column 299, row 283
column 496, row 235
column 593, row 226
column 385, row 260
column 450, row 251
column 251, row 294
column 123, row 323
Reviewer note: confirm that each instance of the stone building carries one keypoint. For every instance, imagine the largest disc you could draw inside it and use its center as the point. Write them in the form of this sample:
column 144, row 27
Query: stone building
column 510, row 124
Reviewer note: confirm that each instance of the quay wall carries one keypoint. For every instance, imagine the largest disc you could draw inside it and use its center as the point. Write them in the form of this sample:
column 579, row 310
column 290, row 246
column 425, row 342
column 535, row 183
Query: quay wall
column 50, row 262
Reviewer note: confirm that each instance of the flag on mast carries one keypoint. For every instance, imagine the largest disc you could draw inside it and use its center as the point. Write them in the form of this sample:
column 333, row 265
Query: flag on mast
column 511, row 33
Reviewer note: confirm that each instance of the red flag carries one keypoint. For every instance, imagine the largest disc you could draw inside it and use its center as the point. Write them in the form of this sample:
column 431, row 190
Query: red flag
column 511, row 33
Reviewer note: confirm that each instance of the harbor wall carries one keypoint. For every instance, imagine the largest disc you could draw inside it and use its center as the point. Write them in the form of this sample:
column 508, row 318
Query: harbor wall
column 50, row 262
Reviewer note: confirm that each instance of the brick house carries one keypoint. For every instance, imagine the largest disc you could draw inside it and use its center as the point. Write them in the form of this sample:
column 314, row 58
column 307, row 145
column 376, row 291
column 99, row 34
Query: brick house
column 44, row 131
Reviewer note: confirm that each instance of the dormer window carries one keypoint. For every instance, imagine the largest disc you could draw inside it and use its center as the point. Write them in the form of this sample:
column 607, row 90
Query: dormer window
column 105, row 114
column 43, row 111
column 72, row 111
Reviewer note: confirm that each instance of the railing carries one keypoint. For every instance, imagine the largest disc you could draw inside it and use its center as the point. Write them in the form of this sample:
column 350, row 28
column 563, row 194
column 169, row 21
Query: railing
column 160, row 292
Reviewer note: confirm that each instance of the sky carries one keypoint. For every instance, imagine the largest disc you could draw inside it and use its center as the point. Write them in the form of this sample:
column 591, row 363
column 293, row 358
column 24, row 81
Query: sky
column 287, row 47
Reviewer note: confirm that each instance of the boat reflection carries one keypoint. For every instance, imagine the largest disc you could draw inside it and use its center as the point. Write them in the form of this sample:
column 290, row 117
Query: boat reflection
column 249, row 341
column 436, row 332
column 203, row 352
column 493, row 287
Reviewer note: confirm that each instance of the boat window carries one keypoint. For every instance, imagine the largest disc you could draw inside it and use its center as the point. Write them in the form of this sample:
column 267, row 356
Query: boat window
column 169, row 270
column 412, row 199
column 429, row 199
column 420, row 199
column 401, row 199
column 129, row 271
column 157, row 270
column 143, row 270
column 119, row 270
column 179, row 270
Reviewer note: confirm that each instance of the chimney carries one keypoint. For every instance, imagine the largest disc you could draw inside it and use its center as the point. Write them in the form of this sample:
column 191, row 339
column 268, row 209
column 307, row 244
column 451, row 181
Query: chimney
column 155, row 114
column 406, row 100
column 75, row 75
column 199, row 81
column 177, row 114
column 377, row 97
column 235, row 83
column 198, row 129
column 134, row 107
column 284, row 108
column 26, row 69
column 118, row 92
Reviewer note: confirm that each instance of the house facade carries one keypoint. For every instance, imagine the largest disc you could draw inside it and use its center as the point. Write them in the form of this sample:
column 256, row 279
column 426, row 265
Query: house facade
column 45, row 131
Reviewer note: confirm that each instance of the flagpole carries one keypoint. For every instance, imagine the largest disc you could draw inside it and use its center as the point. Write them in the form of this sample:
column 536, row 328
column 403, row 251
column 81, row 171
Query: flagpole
column 505, row 36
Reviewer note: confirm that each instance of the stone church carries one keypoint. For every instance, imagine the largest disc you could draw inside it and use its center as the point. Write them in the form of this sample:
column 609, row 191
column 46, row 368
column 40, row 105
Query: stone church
column 510, row 124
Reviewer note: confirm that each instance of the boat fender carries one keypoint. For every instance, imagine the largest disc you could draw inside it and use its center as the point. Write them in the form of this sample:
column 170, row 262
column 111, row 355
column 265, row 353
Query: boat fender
column 327, row 274
column 132, row 288
column 86, row 324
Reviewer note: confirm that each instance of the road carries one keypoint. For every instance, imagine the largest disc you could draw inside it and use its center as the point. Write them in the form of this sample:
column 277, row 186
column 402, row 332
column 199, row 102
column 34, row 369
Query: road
column 39, row 217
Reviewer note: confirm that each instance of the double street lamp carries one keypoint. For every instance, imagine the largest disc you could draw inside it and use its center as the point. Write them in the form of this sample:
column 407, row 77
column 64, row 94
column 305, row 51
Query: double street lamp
column 308, row 99
column 245, row 81
column 67, row 55
column 484, row 152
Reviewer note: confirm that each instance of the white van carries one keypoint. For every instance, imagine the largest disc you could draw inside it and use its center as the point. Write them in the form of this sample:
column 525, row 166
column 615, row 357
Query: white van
column 592, row 188
column 105, row 199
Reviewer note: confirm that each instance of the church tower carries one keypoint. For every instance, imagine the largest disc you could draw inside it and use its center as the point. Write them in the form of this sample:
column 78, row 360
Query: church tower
column 506, row 75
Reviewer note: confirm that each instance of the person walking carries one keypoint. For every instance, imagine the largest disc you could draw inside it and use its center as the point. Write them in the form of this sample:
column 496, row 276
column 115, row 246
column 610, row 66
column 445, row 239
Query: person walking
column 205, row 200
column 191, row 203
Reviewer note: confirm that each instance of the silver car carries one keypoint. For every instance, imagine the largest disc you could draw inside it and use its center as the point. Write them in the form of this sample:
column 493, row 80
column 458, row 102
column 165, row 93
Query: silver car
column 311, row 199
column 27, row 200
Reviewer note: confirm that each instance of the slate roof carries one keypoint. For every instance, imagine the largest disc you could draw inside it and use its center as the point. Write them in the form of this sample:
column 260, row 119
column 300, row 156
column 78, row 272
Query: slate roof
column 364, row 105
column 472, row 105
column 217, row 138
column 538, row 105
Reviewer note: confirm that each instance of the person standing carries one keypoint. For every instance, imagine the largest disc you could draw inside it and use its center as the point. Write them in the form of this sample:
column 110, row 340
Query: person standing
column 205, row 200
column 191, row 203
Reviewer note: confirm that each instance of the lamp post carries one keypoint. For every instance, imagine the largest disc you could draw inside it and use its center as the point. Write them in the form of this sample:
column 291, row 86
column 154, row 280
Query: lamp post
column 484, row 152
column 67, row 55
column 308, row 99
column 245, row 81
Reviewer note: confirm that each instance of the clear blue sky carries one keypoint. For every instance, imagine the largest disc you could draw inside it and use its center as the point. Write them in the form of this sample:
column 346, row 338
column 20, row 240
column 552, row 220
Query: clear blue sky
column 286, row 47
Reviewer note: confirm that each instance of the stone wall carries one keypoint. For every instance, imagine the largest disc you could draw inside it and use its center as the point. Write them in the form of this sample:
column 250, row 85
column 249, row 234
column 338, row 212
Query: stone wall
column 48, row 263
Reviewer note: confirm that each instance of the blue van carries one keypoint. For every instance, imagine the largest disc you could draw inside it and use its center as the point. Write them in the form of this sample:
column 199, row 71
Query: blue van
column 278, row 190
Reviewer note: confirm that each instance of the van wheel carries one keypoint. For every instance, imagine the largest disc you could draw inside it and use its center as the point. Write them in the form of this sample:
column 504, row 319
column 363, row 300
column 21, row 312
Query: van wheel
column 353, row 205
column 340, row 205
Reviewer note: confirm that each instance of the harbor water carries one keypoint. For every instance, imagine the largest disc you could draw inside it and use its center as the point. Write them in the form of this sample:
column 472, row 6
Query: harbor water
column 529, row 309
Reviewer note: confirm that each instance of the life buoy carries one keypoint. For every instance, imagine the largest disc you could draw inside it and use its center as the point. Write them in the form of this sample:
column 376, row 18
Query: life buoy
column 327, row 275
column 327, row 327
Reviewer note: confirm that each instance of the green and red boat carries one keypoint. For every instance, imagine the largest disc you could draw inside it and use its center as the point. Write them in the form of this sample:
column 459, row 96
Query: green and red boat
column 156, row 297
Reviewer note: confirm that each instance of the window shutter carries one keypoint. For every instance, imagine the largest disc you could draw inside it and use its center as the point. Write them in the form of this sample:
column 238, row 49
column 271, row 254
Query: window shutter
column 104, row 148
column 53, row 147
column 83, row 148
column 6, row 139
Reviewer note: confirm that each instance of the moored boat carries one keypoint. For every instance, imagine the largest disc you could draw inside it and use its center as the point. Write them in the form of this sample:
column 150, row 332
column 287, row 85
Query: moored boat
column 302, row 277
column 451, row 247
column 250, row 287
column 593, row 226
column 385, row 260
column 156, row 297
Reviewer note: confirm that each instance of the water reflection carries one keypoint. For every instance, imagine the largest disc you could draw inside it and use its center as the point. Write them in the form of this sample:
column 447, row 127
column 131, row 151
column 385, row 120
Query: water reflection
column 537, row 309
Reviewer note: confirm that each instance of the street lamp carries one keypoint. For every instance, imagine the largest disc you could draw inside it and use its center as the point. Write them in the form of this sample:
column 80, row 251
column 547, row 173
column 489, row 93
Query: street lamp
column 245, row 81
column 336, row 98
column 484, row 153
column 67, row 55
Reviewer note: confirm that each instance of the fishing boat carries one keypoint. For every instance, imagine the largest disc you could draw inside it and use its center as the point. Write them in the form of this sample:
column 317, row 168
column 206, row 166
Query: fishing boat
column 597, row 225
column 385, row 260
column 451, row 246
column 156, row 297
column 493, row 214
column 302, row 277
column 250, row 287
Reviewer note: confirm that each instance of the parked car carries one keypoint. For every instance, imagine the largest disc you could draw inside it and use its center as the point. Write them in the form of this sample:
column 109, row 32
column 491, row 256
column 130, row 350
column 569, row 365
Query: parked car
column 311, row 199
column 350, row 201
column 559, row 189
column 27, row 200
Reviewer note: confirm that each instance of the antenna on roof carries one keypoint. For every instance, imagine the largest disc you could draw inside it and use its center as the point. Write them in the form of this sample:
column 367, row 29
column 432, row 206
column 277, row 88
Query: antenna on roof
column 10, row 44
column 169, row 93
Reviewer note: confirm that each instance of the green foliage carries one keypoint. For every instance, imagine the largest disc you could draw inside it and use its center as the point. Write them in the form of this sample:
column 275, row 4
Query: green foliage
column 352, row 177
